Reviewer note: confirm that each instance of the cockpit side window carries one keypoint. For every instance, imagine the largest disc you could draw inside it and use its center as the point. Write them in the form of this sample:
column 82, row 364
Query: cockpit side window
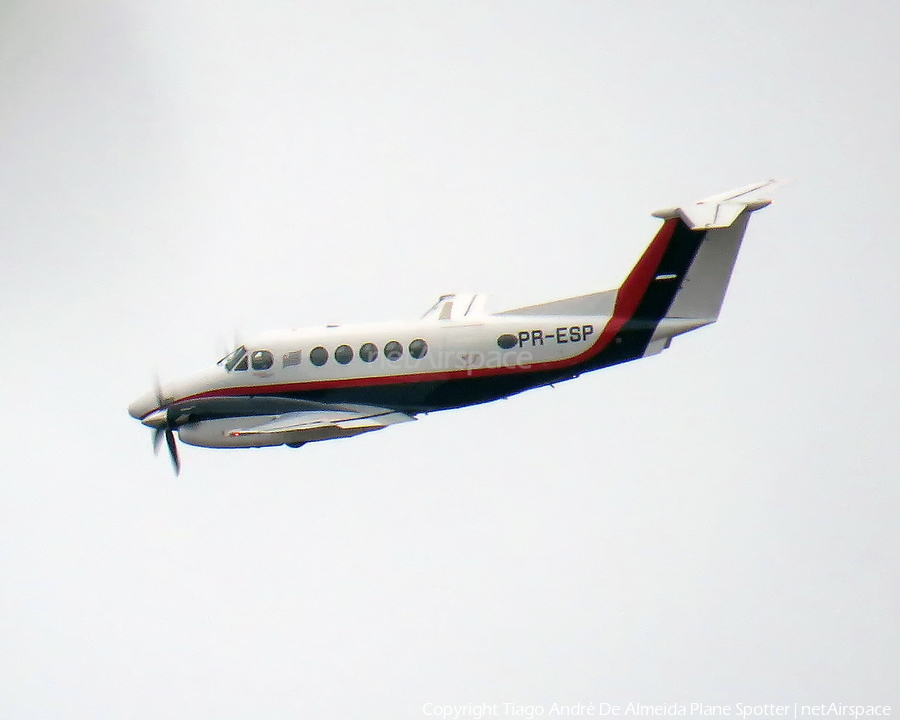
column 242, row 364
column 233, row 358
column 261, row 359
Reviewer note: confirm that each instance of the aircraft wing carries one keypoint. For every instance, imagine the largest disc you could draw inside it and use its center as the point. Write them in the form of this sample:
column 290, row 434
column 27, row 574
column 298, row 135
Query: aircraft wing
column 336, row 423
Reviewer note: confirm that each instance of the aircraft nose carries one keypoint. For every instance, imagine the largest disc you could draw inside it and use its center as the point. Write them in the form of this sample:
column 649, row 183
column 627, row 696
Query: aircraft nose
column 144, row 405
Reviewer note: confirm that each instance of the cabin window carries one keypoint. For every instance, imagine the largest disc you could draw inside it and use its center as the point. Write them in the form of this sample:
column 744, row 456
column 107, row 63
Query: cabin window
column 291, row 358
column 318, row 356
column 393, row 350
column 368, row 352
column 418, row 348
column 343, row 354
column 507, row 341
column 261, row 360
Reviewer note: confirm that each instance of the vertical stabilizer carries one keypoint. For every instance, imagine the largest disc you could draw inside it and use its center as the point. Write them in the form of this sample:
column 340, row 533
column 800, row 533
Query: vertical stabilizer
column 710, row 232
column 703, row 288
column 722, row 220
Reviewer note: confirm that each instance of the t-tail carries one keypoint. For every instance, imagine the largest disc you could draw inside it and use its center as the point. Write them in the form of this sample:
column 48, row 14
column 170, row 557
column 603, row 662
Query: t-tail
column 679, row 283
column 696, row 249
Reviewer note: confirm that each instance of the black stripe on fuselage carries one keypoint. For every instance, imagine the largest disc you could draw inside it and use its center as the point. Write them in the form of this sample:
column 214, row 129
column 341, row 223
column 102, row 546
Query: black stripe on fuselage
column 632, row 340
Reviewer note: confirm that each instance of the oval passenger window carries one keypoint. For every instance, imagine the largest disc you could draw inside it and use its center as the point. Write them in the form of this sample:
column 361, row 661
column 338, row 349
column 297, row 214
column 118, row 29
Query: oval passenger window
column 418, row 348
column 393, row 350
column 507, row 341
column 318, row 356
column 368, row 352
column 343, row 354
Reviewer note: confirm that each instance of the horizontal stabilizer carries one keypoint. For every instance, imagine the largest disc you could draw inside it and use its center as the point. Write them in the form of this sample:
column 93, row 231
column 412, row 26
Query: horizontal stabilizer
column 720, row 211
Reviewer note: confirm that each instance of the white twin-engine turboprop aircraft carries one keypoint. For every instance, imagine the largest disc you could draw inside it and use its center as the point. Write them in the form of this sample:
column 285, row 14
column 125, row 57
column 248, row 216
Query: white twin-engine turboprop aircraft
column 299, row 386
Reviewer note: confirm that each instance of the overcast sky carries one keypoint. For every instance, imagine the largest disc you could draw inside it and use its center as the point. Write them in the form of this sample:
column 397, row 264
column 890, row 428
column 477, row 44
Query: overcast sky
column 716, row 524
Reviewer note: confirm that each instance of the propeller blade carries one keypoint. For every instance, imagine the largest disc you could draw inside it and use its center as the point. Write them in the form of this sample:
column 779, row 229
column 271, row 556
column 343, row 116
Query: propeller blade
column 157, row 391
column 157, row 439
column 173, row 450
column 166, row 430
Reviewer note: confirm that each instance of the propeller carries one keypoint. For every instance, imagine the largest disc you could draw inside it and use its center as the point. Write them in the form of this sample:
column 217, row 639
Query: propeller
column 166, row 430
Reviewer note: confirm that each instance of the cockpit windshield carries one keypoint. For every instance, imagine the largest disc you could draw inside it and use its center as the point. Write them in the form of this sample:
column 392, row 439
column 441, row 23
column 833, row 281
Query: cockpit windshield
column 233, row 358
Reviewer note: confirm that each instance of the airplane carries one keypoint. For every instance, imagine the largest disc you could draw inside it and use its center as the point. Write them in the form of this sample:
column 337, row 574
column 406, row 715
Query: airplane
column 321, row 383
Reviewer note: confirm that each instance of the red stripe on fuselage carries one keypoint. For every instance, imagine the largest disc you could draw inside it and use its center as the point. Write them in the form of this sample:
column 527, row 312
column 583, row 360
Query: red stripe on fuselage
column 627, row 301
column 635, row 286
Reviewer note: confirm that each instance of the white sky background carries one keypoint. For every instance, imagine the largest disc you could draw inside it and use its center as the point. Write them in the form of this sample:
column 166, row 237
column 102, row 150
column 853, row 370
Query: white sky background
column 716, row 524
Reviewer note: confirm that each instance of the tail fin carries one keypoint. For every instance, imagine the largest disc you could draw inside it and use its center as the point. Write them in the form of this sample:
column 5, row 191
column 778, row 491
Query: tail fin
column 680, row 282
